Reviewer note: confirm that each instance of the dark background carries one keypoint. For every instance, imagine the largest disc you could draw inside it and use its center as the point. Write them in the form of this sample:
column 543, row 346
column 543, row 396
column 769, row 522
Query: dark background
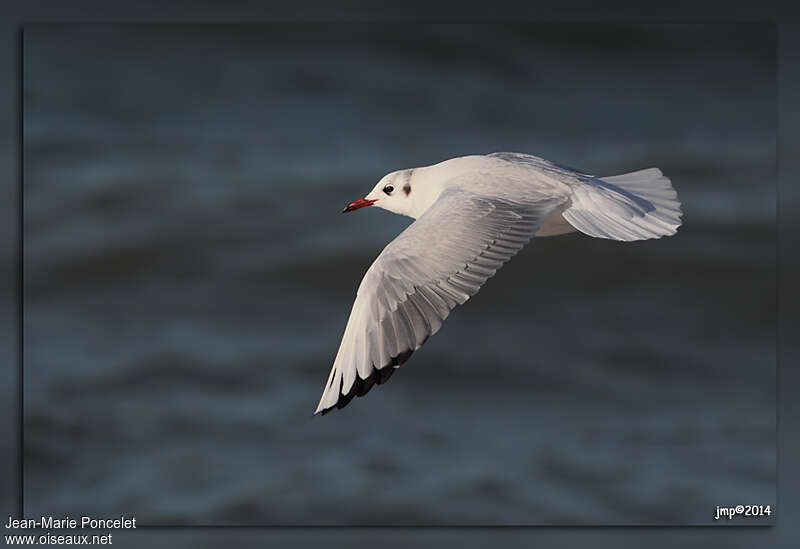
column 187, row 276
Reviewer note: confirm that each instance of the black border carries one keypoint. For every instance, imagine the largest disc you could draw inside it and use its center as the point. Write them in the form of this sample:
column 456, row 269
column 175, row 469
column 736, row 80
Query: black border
column 14, row 13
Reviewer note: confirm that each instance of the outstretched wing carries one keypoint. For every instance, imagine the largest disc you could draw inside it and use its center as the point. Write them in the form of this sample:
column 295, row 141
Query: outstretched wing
column 438, row 262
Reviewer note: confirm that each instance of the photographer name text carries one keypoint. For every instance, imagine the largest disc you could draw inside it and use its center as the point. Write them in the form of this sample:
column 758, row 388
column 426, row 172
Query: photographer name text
column 68, row 522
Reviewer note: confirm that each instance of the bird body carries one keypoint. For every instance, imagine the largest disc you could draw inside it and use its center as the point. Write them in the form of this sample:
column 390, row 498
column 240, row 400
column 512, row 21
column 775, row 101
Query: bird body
column 473, row 213
column 523, row 177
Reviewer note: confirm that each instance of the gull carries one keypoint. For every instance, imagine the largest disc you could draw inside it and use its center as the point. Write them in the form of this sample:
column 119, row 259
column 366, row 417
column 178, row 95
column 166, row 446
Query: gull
column 472, row 214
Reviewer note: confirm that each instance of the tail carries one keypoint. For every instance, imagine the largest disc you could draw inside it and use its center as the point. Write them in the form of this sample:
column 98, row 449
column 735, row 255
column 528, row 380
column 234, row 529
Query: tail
column 634, row 206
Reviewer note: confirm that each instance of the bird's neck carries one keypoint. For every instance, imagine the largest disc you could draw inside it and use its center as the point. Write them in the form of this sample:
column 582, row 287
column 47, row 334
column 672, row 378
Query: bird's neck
column 426, row 188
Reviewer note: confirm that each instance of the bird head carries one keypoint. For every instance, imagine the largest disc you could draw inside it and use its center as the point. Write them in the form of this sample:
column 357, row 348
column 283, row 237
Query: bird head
column 394, row 192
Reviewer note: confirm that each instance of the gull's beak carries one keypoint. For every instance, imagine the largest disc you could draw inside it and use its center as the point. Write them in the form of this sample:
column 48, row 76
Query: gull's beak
column 360, row 203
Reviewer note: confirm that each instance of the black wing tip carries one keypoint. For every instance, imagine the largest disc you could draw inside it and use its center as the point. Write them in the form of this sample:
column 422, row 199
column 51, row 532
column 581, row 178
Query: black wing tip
column 361, row 387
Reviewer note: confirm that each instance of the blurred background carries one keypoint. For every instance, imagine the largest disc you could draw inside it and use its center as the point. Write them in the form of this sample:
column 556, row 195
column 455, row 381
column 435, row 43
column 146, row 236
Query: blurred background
column 188, row 276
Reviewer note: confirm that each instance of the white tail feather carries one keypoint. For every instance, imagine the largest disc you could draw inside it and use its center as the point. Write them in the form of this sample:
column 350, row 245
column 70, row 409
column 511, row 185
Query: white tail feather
column 633, row 206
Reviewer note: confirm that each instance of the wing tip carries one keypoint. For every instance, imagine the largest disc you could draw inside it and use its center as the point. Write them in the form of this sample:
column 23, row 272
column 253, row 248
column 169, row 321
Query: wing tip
column 362, row 386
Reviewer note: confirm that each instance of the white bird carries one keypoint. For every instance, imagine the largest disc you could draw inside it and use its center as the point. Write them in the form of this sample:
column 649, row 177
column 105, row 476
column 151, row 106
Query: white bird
column 473, row 214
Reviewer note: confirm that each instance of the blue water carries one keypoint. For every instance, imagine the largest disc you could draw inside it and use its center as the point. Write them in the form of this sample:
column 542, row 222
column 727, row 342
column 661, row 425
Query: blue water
column 188, row 276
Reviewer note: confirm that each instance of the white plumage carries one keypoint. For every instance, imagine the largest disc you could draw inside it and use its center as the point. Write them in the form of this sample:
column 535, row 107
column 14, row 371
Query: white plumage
column 473, row 214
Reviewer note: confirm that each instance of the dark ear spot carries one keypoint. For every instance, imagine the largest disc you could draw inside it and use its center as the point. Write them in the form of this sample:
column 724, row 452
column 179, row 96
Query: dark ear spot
column 407, row 189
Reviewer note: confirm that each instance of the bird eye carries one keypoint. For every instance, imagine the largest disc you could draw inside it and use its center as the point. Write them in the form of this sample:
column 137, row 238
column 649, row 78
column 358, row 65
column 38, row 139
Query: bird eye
column 388, row 189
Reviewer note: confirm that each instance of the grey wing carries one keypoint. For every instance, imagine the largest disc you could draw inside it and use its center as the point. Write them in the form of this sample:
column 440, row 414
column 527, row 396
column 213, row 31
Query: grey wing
column 438, row 262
